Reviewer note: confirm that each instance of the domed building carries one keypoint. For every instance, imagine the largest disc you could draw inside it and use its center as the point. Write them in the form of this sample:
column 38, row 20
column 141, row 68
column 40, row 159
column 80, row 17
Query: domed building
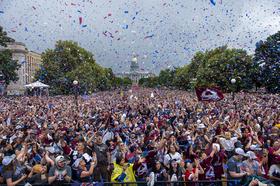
column 135, row 74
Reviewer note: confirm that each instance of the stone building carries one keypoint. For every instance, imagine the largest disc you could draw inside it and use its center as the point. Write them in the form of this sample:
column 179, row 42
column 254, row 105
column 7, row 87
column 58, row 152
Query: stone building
column 30, row 62
column 135, row 74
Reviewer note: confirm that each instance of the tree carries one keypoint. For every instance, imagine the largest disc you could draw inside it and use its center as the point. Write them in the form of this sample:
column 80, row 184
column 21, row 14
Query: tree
column 8, row 66
column 150, row 82
column 267, row 63
column 166, row 77
column 4, row 39
column 211, row 68
column 69, row 62
column 218, row 66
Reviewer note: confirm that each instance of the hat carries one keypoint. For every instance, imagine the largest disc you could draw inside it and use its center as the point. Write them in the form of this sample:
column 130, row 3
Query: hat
column 8, row 159
column 255, row 148
column 240, row 151
column 59, row 159
column 201, row 126
column 251, row 155
column 19, row 127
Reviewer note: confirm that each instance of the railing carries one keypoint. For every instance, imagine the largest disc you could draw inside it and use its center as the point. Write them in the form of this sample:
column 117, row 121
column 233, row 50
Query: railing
column 158, row 183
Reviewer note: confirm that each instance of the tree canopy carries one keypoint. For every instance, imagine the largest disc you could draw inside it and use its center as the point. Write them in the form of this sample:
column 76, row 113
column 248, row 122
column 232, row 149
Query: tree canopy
column 211, row 68
column 267, row 62
column 8, row 66
column 68, row 62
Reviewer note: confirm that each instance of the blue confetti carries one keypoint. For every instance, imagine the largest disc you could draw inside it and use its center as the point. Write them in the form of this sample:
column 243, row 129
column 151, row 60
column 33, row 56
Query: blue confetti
column 213, row 2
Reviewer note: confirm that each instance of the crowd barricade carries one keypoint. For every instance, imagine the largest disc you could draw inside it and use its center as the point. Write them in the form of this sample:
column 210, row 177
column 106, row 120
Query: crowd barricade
column 159, row 183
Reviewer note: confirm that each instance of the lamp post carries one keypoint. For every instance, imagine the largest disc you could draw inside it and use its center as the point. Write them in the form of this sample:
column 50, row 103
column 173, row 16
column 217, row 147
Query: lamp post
column 233, row 81
column 75, row 84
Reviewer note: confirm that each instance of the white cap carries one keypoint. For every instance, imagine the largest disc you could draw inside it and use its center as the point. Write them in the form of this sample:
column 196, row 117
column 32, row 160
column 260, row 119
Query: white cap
column 255, row 147
column 201, row 126
column 240, row 151
column 8, row 159
column 251, row 155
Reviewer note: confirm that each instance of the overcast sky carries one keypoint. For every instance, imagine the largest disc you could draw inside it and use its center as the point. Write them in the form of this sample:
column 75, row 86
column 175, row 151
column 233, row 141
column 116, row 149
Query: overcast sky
column 163, row 33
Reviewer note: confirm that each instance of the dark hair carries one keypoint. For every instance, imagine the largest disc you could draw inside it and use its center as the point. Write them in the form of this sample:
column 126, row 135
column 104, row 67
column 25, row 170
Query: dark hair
column 119, row 158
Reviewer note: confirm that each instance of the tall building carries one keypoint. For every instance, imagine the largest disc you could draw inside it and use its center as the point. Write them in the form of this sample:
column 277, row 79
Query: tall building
column 29, row 63
column 134, row 73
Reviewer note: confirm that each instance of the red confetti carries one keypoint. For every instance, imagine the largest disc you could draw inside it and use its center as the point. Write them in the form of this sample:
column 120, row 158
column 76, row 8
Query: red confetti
column 80, row 20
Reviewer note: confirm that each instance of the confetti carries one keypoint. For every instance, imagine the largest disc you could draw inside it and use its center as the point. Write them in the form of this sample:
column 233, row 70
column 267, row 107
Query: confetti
column 213, row 2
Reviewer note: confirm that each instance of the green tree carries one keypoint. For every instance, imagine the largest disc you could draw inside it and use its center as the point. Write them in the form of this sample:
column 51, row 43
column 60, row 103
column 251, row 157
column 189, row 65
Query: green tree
column 150, row 82
column 68, row 62
column 267, row 63
column 166, row 77
column 8, row 66
column 218, row 66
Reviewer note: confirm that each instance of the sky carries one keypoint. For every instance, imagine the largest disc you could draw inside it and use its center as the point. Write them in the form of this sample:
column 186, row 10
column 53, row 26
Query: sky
column 161, row 33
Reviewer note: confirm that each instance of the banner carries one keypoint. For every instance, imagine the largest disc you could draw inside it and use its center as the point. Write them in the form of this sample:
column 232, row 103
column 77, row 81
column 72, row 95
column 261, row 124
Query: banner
column 209, row 94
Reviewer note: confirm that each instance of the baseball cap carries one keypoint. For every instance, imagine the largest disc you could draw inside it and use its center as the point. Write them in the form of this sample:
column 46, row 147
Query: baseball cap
column 59, row 159
column 8, row 159
column 201, row 126
column 255, row 148
column 251, row 155
column 240, row 151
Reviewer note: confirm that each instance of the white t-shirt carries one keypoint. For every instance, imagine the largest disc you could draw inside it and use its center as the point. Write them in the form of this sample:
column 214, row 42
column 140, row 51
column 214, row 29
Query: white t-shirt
column 168, row 157
column 228, row 144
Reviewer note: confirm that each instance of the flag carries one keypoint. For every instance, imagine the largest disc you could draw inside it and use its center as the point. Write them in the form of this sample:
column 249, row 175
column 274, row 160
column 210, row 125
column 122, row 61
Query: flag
column 209, row 94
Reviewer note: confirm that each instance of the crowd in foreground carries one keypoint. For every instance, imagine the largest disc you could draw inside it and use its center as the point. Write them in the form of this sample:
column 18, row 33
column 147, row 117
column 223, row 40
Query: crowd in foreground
column 149, row 135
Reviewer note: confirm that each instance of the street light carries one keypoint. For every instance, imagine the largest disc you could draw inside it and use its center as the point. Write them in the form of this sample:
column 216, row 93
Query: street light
column 75, row 83
column 233, row 81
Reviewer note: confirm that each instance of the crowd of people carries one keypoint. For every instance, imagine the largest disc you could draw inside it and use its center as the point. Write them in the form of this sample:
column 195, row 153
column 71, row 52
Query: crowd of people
column 150, row 136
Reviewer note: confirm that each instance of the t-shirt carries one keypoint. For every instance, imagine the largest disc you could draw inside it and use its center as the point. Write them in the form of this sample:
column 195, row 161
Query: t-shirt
column 60, row 179
column 13, row 175
column 189, row 175
column 208, row 169
column 252, row 165
column 217, row 163
column 176, row 156
column 233, row 165
column 101, row 154
column 228, row 144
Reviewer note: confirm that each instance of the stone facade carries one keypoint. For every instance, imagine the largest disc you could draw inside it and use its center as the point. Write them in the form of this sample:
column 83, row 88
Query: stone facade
column 29, row 61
